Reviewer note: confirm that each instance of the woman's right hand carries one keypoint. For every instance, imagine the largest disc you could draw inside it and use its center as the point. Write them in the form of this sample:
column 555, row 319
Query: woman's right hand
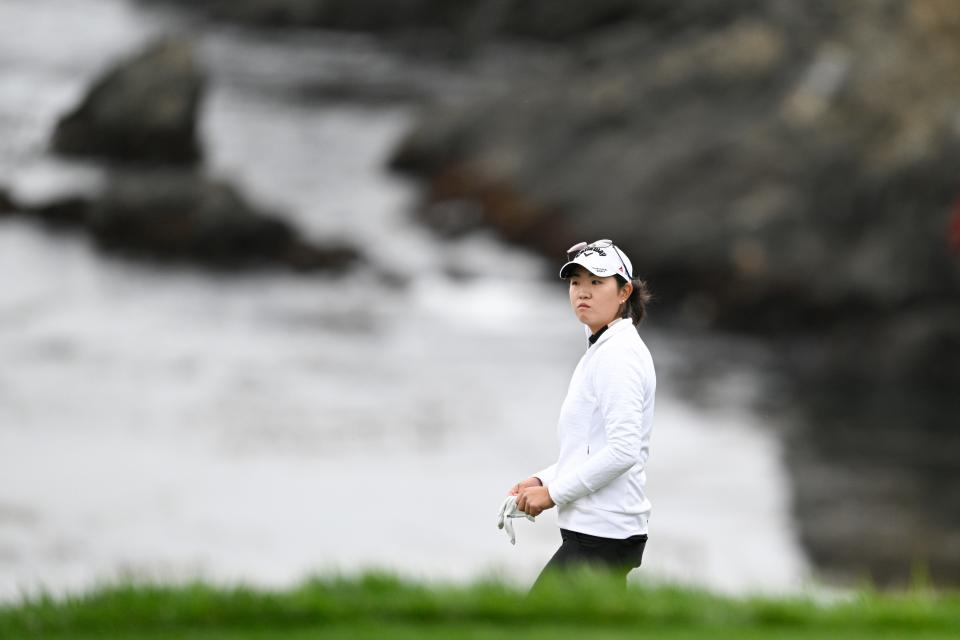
column 523, row 484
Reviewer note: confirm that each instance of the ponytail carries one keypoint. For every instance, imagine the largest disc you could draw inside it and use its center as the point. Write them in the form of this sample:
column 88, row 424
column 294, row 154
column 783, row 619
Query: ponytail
column 635, row 307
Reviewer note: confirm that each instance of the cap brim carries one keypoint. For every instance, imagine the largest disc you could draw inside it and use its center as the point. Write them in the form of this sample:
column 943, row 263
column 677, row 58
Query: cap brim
column 565, row 269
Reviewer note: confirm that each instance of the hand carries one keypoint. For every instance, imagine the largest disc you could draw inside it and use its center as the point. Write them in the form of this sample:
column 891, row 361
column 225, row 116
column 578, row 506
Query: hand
column 534, row 500
column 523, row 484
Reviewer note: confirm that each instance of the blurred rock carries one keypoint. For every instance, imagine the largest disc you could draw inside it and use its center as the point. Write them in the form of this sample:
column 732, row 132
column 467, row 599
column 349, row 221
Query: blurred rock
column 760, row 168
column 473, row 20
column 73, row 211
column 878, row 510
column 877, row 492
column 143, row 110
column 6, row 204
column 178, row 215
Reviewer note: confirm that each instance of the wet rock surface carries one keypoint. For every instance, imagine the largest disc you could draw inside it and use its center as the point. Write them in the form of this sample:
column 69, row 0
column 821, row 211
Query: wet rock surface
column 756, row 183
column 471, row 20
column 141, row 117
column 181, row 216
column 142, row 110
column 873, row 451
column 6, row 203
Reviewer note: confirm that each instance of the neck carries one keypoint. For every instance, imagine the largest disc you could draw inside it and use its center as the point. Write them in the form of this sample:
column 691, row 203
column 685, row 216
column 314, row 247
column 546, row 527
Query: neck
column 597, row 327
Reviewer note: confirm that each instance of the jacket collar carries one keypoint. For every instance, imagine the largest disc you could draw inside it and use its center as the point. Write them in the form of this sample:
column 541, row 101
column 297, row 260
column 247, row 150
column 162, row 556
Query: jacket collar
column 605, row 332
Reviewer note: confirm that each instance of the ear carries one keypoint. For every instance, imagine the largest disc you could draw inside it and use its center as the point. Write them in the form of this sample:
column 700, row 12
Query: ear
column 627, row 290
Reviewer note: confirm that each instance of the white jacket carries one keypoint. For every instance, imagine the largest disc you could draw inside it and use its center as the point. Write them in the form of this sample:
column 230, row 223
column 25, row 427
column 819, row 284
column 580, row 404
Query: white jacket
column 604, row 429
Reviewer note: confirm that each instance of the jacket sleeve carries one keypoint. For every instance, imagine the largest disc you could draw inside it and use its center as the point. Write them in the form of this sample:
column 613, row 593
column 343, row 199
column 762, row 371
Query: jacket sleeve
column 620, row 387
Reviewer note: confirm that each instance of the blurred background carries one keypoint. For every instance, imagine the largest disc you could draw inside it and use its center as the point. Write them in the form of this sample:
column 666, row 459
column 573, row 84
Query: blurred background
column 279, row 293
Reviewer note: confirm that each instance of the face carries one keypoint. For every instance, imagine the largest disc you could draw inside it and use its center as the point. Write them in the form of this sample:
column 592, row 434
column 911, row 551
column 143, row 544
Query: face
column 596, row 300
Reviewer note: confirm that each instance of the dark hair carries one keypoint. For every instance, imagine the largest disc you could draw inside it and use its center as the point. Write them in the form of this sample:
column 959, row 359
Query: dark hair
column 635, row 307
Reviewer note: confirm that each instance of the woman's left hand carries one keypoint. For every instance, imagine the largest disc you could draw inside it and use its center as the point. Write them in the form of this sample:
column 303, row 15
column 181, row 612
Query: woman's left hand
column 534, row 500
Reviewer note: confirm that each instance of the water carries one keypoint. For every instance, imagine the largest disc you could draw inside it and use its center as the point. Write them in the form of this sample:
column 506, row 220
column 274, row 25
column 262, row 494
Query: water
column 172, row 423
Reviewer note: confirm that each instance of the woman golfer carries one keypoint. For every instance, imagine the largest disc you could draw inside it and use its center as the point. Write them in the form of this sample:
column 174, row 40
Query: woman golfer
column 597, row 483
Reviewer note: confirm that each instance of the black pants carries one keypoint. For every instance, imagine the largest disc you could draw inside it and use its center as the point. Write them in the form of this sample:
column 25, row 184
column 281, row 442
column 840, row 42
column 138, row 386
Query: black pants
column 618, row 556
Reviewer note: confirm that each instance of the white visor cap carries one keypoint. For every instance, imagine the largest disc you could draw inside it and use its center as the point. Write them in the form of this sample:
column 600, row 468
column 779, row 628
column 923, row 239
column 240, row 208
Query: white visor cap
column 601, row 258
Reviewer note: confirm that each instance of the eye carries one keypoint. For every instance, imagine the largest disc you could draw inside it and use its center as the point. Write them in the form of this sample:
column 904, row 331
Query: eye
column 596, row 282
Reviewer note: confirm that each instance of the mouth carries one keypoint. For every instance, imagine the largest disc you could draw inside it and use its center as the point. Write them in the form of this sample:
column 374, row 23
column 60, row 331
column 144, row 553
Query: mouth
column 583, row 305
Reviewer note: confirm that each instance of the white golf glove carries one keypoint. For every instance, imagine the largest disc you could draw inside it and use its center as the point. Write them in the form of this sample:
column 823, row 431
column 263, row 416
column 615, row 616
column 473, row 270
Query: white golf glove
column 508, row 511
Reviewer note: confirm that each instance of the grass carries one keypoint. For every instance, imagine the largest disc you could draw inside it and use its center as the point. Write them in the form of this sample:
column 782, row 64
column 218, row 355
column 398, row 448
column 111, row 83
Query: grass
column 380, row 605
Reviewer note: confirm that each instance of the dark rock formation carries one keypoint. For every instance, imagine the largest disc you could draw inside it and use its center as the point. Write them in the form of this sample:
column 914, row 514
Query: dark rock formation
column 69, row 212
column 877, row 492
column 144, row 113
column 181, row 216
column 753, row 175
column 143, row 110
column 6, row 204
column 471, row 19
